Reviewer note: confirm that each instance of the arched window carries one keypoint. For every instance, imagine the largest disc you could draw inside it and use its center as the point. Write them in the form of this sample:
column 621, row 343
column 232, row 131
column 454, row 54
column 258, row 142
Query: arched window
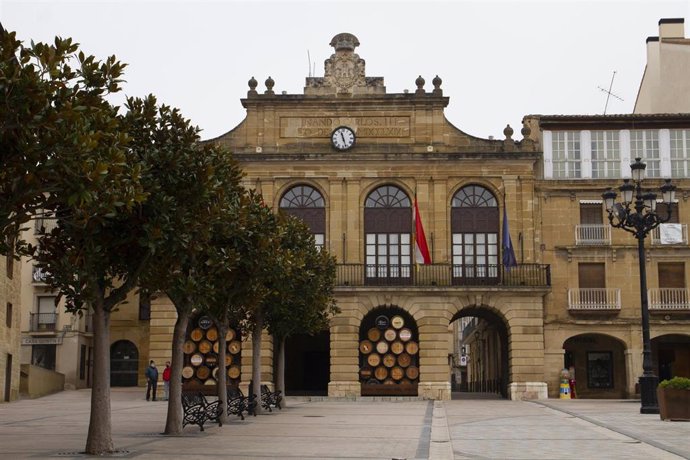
column 388, row 236
column 474, row 228
column 307, row 203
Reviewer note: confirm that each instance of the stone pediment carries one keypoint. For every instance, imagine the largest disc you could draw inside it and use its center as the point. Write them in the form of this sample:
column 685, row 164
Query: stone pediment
column 344, row 72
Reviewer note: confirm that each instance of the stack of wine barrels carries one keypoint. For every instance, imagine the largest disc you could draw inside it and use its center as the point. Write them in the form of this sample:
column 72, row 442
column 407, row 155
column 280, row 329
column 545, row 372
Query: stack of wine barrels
column 389, row 353
column 201, row 354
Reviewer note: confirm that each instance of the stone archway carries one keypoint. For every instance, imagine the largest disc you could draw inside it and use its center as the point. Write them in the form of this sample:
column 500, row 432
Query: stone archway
column 671, row 356
column 599, row 364
column 124, row 364
column 484, row 342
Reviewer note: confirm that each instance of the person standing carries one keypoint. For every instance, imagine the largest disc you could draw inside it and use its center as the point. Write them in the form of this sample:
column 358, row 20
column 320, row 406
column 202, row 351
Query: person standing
column 151, row 380
column 166, row 380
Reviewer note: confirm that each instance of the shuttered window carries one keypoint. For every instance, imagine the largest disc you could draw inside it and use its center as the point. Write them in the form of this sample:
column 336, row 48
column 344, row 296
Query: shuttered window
column 592, row 275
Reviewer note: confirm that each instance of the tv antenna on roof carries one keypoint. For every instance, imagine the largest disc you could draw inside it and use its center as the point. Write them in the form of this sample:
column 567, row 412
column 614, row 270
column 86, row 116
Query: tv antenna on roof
column 609, row 93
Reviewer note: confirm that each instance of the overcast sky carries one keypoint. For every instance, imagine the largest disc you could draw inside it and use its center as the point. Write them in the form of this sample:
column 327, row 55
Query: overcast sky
column 499, row 60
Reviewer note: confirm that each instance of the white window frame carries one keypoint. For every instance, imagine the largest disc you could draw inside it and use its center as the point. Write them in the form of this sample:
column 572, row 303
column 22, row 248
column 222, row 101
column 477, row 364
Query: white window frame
column 606, row 154
column 566, row 154
column 680, row 152
column 645, row 144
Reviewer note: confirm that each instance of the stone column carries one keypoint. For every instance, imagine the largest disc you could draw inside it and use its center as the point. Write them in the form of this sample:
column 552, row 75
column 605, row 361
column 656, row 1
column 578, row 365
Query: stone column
column 344, row 378
column 434, row 372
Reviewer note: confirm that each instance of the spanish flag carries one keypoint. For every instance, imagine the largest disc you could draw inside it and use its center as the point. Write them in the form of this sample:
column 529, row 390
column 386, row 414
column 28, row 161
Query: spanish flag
column 422, row 255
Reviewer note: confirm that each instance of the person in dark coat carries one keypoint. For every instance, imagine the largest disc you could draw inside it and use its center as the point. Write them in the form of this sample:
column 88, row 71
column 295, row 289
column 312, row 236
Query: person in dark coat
column 151, row 380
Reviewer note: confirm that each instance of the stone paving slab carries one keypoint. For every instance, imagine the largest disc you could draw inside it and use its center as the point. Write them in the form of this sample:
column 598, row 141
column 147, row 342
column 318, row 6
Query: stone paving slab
column 56, row 426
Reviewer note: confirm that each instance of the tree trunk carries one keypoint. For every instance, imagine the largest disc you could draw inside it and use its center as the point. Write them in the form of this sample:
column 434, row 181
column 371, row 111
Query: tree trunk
column 222, row 373
column 100, row 440
column 280, row 378
column 173, row 422
column 256, row 358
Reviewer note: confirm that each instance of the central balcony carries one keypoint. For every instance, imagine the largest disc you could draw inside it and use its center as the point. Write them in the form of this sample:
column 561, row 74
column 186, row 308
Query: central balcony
column 533, row 275
column 593, row 235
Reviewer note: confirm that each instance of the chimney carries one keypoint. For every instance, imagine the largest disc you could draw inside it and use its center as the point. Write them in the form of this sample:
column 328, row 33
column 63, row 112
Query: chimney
column 671, row 28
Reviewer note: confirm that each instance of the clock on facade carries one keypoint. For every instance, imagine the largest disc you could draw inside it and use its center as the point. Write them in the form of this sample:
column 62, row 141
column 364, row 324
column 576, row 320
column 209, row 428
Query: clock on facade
column 343, row 138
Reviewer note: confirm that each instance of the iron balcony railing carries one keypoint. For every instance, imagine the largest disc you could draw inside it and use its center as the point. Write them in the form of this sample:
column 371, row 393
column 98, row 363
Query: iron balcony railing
column 599, row 299
column 593, row 235
column 534, row 275
column 670, row 234
column 41, row 322
column 669, row 299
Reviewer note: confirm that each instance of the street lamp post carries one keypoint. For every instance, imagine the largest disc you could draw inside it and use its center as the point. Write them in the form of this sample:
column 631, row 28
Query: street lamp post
column 639, row 217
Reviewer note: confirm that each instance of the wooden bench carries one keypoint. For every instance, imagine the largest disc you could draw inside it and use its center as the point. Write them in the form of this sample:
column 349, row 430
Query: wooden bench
column 270, row 398
column 197, row 410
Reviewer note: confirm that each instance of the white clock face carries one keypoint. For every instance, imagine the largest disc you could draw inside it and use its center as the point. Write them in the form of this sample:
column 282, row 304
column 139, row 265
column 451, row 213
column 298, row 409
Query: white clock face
column 343, row 138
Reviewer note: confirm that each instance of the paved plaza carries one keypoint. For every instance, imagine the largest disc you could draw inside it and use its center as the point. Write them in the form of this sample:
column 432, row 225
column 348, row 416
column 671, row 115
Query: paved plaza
column 55, row 427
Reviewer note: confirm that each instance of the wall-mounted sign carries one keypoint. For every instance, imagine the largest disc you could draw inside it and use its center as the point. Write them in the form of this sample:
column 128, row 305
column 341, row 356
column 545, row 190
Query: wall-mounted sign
column 315, row 127
column 463, row 361
column 41, row 340
column 205, row 322
column 382, row 322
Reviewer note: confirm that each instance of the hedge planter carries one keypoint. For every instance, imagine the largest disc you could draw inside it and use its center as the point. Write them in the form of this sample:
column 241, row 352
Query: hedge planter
column 674, row 403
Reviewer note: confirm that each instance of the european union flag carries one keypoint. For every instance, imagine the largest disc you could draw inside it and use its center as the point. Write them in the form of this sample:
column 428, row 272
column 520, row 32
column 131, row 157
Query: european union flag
column 509, row 259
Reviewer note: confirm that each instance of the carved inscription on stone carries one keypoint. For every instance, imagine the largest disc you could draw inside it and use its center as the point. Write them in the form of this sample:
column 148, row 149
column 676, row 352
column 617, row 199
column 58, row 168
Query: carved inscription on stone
column 322, row 127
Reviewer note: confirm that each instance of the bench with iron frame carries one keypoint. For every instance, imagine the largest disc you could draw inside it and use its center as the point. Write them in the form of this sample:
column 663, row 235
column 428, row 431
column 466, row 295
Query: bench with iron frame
column 270, row 398
column 197, row 410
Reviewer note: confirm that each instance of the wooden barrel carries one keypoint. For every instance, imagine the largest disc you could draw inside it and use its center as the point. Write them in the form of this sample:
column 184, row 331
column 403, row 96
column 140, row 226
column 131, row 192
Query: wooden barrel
column 234, row 372
column 397, row 322
column 412, row 348
column 374, row 360
column 229, row 336
column 390, row 334
column 389, row 382
column 196, row 359
column 211, row 359
column 365, row 347
column 196, row 334
column 412, row 372
column 214, row 372
column 374, row 334
column 234, row 347
column 202, row 372
column 405, row 334
column 397, row 373
column 187, row 372
column 216, row 347
column 205, row 346
column 212, row 334
column 397, row 347
column 228, row 359
column 365, row 373
column 210, row 381
column 189, row 347
column 382, row 347
column 389, row 360
column 381, row 373
column 404, row 360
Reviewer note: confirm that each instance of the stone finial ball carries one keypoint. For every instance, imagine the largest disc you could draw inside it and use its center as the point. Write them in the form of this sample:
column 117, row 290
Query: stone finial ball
column 252, row 83
column 419, row 82
column 508, row 132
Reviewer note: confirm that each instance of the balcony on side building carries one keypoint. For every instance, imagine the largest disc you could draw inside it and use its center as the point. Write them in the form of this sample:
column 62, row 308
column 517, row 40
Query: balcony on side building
column 669, row 299
column 670, row 234
column 43, row 322
column 594, row 299
column 593, row 235
column 533, row 275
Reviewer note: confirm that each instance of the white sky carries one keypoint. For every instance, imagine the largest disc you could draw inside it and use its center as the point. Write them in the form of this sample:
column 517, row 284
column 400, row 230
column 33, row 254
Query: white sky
column 499, row 60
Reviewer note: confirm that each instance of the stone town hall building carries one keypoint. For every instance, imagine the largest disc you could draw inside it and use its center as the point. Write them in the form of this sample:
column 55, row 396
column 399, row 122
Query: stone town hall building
column 349, row 159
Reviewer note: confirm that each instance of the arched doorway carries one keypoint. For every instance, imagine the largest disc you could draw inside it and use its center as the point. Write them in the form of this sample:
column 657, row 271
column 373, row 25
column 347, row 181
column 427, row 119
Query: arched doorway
column 599, row 364
column 124, row 364
column 480, row 358
column 474, row 227
column 307, row 203
column 671, row 355
column 307, row 364
column 388, row 236
column 388, row 353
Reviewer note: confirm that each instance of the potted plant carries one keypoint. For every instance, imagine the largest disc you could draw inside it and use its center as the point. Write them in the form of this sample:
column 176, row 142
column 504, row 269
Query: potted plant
column 674, row 399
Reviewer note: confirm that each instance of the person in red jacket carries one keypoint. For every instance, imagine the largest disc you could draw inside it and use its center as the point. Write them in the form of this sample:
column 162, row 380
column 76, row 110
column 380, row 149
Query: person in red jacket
column 166, row 380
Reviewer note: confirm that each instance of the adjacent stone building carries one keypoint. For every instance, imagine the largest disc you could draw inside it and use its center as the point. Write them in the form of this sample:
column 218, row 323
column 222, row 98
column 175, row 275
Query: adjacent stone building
column 10, row 308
